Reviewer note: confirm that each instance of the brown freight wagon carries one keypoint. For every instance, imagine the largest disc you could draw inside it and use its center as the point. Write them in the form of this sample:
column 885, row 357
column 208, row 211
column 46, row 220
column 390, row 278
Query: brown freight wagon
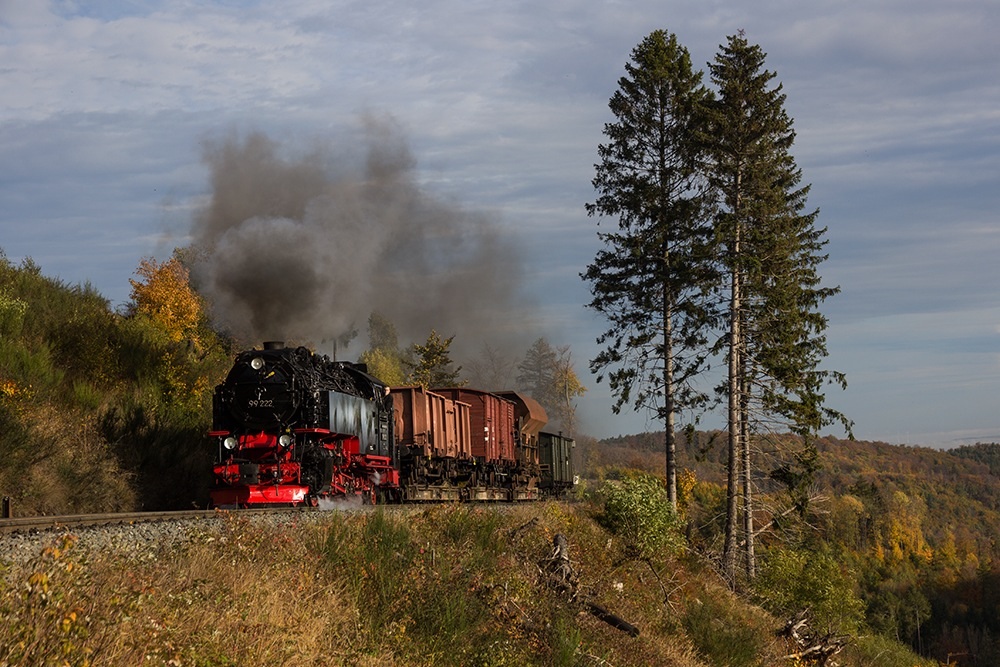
column 530, row 418
column 492, row 423
column 430, row 424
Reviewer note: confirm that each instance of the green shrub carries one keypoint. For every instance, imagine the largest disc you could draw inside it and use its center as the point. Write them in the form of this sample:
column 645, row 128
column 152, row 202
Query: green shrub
column 12, row 311
column 565, row 638
column 791, row 580
column 87, row 395
column 70, row 365
column 637, row 510
column 29, row 367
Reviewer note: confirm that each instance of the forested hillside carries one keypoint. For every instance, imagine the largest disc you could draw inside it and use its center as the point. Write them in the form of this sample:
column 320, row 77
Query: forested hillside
column 915, row 531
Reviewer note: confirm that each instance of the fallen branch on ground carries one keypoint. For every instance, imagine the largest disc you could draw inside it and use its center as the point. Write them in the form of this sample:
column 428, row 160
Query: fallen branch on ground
column 560, row 576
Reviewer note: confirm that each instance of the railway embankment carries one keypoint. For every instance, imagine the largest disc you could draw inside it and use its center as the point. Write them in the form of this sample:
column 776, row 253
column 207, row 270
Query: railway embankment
column 424, row 585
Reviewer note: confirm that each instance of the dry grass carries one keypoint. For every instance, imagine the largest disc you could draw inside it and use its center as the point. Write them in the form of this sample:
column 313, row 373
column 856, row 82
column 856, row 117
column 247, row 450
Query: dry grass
column 443, row 585
column 68, row 467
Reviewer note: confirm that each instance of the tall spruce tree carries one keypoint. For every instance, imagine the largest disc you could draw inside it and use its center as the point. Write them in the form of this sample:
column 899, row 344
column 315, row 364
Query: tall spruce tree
column 648, row 279
column 770, row 250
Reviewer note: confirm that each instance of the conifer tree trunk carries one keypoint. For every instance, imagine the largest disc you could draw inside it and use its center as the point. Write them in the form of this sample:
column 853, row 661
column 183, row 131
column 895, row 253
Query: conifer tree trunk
column 735, row 413
column 668, row 383
column 750, row 560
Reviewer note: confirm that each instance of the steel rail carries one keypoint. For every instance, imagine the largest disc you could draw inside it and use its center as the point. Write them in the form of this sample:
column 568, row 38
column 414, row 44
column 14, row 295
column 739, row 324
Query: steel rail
column 40, row 523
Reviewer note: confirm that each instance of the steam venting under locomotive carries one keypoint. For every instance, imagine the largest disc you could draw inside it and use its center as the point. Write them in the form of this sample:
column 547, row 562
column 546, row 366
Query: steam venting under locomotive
column 294, row 427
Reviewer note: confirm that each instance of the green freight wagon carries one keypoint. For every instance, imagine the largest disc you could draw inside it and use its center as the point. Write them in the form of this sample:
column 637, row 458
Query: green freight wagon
column 555, row 454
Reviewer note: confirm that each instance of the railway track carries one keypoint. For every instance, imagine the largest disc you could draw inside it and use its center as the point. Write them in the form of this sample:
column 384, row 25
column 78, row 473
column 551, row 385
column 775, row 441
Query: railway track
column 46, row 523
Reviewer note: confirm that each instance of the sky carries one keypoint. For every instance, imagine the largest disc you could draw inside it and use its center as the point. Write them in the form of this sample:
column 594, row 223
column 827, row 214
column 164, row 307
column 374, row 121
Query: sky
column 110, row 111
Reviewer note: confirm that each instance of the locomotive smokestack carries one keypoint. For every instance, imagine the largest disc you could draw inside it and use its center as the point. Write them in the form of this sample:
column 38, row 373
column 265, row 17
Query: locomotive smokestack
column 274, row 344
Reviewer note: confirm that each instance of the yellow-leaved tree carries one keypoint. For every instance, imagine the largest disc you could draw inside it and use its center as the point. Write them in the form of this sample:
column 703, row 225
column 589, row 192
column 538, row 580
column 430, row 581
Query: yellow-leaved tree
column 165, row 296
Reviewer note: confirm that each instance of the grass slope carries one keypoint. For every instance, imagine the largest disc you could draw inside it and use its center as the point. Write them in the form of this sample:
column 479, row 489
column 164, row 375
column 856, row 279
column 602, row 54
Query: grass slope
column 442, row 585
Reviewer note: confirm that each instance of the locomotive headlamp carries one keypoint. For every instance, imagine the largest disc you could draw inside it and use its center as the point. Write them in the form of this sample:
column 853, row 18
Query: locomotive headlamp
column 285, row 440
column 229, row 443
column 257, row 363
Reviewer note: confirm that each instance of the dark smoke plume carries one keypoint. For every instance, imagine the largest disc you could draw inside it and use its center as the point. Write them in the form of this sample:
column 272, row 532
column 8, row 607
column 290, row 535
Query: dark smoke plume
column 304, row 249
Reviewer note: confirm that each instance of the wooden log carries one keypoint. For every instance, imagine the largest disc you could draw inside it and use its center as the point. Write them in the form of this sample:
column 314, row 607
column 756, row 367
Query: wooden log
column 562, row 577
column 611, row 619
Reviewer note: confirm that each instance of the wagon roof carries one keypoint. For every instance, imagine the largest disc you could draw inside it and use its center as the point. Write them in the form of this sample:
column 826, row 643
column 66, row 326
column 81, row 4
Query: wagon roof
column 536, row 417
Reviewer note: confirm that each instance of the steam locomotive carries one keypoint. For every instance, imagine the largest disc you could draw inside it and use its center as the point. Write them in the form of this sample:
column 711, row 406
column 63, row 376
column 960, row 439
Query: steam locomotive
column 295, row 428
